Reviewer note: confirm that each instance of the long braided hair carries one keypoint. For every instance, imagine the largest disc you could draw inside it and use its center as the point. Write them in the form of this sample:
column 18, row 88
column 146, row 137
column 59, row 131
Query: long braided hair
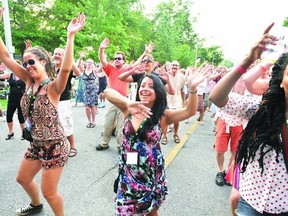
column 265, row 127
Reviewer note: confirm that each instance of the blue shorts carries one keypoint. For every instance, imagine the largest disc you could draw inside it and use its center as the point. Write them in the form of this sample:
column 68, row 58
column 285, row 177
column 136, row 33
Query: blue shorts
column 244, row 209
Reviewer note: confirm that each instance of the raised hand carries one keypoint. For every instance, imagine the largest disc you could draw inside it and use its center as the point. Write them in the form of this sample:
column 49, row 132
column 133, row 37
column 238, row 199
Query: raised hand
column 260, row 46
column 163, row 73
column 201, row 74
column 138, row 109
column 105, row 43
column 27, row 44
column 76, row 24
column 139, row 69
column 82, row 54
column 150, row 47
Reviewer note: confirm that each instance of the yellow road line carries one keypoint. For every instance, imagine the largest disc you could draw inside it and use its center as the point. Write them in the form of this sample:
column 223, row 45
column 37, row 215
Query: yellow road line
column 173, row 153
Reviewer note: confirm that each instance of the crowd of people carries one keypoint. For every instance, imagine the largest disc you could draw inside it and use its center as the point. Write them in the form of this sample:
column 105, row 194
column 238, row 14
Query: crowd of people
column 143, row 102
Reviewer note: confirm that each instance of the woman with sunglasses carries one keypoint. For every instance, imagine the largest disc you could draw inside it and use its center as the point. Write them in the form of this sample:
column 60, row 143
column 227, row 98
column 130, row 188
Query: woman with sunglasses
column 48, row 150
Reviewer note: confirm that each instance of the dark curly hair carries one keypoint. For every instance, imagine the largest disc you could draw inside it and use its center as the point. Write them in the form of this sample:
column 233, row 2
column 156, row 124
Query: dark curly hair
column 159, row 106
column 265, row 126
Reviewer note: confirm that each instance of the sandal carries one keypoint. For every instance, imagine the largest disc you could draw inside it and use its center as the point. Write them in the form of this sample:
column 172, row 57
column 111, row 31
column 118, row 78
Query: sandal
column 72, row 152
column 92, row 125
column 176, row 138
column 88, row 125
column 164, row 141
column 9, row 136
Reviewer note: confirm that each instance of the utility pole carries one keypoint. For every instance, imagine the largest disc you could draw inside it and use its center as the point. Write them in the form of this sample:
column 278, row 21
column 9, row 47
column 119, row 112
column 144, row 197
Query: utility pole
column 7, row 28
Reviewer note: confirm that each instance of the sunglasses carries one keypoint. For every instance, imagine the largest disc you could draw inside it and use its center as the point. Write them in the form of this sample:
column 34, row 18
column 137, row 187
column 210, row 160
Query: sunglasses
column 30, row 62
column 175, row 65
column 147, row 61
column 117, row 58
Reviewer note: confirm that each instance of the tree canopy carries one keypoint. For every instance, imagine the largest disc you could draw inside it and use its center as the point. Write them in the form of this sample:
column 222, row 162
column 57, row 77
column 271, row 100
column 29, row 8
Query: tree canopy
column 125, row 22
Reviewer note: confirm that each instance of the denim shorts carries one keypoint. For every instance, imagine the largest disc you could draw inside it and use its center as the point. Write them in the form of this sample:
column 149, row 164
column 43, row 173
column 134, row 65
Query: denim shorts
column 244, row 209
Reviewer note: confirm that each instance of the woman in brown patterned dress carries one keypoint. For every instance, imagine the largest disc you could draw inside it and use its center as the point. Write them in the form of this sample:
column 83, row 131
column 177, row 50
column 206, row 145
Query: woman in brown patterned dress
column 48, row 150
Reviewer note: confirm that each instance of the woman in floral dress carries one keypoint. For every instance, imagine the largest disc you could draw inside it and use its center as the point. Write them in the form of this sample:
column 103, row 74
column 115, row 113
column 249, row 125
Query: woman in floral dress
column 142, row 186
column 90, row 93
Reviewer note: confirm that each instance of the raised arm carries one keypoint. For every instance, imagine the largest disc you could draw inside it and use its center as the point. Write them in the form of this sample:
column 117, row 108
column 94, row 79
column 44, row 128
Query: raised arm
column 75, row 26
column 253, row 81
column 76, row 69
column 80, row 61
column 127, row 76
column 10, row 62
column 101, row 55
column 136, row 108
column 219, row 94
column 148, row 50
column 190, row 107
column 117, row 99
column 164, row 75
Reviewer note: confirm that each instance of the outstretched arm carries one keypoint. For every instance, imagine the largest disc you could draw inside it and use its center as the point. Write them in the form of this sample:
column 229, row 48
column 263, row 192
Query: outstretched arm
column 164, row 75
column 10, row 62
column 190, row 108
column 127, row 76
column 60, row 82
column 101, row 55
column 219, row 94
column 251, row 79
column 136, row 108
column 148, row 50
column 76, row 69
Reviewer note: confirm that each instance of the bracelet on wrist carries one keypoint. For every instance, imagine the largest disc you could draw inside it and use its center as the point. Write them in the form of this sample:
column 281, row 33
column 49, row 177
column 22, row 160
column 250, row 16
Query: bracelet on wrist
column 241, row 70
column 193, row 92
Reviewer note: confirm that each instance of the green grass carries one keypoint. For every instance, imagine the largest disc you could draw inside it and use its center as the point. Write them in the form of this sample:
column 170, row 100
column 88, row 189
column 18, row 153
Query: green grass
column 3, row 103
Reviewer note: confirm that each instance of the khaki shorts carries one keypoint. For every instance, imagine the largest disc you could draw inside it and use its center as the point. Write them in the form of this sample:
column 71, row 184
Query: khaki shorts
column 65, row 116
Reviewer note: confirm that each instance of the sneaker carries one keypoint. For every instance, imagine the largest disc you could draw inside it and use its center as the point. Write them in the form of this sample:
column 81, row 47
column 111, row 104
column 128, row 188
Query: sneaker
column 100, row 147
column 220, row 179
column 29, row 209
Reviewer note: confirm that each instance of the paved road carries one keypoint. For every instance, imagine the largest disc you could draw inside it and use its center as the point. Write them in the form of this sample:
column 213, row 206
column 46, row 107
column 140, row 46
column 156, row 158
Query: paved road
column 86, row 183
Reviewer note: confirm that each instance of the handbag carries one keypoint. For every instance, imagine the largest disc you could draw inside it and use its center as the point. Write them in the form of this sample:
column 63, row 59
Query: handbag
column 26, row 134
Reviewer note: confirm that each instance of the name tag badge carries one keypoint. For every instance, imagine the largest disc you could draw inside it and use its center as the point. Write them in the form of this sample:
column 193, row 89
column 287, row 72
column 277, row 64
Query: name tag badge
column 132, row 157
